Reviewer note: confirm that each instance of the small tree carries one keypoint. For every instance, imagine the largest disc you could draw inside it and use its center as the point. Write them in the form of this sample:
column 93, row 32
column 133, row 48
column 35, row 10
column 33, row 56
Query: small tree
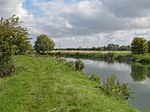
column 43, row 44
column 10, row 32
column 112, row 86
column 139, row 45
column 79, row 65
column 112, row 47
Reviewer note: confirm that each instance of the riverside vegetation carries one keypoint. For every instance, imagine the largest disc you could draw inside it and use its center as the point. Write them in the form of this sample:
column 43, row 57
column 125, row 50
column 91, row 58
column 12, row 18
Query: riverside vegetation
column 109, row 56
column 111, row 86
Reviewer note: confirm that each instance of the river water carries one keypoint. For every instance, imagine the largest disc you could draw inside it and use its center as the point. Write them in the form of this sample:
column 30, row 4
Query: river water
column 136, row 75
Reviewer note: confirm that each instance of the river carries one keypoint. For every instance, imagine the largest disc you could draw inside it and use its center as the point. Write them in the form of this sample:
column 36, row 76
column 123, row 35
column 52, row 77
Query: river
column 136, row 75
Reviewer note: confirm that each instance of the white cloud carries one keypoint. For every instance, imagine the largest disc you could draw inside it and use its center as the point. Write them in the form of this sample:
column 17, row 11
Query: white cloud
column 83, row 22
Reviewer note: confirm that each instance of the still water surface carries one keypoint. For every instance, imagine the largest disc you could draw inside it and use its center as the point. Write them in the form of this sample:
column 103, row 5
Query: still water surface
column 136, row 75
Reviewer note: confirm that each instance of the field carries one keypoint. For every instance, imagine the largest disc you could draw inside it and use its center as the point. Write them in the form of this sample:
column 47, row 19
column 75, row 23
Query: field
column 44, row 84
column 87, row 51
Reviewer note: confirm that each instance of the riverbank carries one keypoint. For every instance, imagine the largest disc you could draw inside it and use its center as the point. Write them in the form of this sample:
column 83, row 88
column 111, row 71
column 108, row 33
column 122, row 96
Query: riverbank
column 121, row 56
column 49, row 85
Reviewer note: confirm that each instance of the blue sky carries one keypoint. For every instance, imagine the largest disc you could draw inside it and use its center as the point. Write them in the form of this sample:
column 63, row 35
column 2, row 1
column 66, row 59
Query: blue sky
column 82, row 23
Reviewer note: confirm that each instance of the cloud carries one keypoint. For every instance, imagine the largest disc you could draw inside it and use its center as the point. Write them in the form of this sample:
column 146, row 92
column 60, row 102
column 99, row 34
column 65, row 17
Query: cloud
column 82, row 23
column 128, row 8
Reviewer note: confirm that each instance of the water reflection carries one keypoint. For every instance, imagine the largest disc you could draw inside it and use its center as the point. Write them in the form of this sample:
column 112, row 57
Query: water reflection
column 140, row 72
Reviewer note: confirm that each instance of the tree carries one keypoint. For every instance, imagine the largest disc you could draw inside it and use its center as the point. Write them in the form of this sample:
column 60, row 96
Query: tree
column 125, row 48
column 148, row 43
column 43, row 44
column 10, row 32
column 112, row 47
column 139, row 45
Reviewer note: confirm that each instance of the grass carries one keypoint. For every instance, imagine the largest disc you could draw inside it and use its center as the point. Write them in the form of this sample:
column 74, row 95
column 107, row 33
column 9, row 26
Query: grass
column 48, row 85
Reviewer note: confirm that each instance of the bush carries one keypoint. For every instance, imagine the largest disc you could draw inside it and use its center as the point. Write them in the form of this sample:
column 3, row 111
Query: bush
column 113, row 87
column 79, row 65
column 10, row 34
column 7, row 70
column 96, row 78
column 71, row 64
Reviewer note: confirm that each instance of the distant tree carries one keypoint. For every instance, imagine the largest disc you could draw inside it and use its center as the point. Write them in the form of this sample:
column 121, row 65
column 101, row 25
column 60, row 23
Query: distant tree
column 125, row 48
column 148, row 43
column 112, row 47
column 43, row 44
column 139, row 45
column 10, row 32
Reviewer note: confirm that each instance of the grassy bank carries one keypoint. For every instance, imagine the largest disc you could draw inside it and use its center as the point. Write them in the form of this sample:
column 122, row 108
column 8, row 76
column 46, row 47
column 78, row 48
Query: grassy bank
column 48, row 85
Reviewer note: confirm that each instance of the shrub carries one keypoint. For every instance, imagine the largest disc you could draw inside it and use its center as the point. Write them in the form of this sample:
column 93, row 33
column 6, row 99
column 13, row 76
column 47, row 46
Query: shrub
column 10, row 33
column 71, row 64
column 112, row 86
column 7, row 70
column 96, row 78
column 79, row 65
column 43, row 44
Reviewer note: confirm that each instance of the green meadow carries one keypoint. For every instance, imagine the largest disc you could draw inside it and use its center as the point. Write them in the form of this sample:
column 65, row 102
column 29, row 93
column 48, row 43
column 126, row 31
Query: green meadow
column 46, row 84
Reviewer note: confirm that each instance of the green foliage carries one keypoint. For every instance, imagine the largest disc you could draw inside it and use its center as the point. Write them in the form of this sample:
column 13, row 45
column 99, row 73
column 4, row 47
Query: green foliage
column 125, row 48
column 43, row 44
column 79, row 65
column 10, row 33
column 22, row 45
column 113, row 87
column 14, row 34
column 112, row 47
column 71, row 64
column 5, row 58
column 148, row 43
column 96, row 78
column 139, row 46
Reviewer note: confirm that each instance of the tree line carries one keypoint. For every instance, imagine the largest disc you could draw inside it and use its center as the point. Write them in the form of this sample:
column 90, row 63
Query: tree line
column 139, row 45
column 109, row 47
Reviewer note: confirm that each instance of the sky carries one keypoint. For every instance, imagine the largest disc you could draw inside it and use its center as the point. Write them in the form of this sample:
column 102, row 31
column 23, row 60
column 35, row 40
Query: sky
column 82, row 23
